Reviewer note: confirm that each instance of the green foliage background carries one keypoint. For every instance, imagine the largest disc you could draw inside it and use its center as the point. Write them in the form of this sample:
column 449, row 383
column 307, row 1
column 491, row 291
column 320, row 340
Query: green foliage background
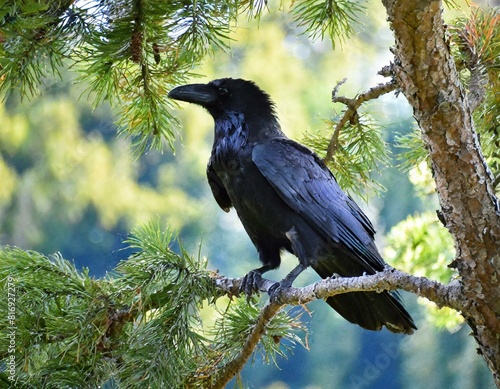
column 70, row 186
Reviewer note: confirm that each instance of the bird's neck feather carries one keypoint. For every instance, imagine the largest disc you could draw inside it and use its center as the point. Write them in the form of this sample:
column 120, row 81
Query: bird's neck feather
column 235, row 127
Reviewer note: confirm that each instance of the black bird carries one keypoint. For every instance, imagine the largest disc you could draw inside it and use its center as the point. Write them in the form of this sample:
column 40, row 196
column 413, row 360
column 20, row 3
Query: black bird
column 286, row 198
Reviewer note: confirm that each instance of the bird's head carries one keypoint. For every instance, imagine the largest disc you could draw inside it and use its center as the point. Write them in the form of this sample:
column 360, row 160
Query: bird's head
column 227, row 95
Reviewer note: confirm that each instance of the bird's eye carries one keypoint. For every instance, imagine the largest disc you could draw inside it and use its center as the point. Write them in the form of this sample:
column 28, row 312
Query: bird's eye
column 222, row 91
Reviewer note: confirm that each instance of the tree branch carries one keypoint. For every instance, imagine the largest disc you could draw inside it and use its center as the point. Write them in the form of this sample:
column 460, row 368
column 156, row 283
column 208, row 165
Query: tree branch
column 237, row 364
column 388, row 279
column 351, row 112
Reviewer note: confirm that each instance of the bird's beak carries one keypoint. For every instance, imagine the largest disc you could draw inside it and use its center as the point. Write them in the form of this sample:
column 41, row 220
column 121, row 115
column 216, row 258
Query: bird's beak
column 201, row 94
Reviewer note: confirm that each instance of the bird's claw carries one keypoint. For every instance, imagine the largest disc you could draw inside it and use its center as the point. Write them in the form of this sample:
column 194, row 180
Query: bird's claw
column 250, row 283
column 252, row 280
column 276, row 290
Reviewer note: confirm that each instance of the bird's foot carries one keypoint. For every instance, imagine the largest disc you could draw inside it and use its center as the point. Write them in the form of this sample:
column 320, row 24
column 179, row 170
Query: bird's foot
column 276, row 290
column 250, row 283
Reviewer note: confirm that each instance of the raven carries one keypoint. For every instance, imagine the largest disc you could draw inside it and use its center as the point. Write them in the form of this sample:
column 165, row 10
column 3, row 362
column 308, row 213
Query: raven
column 286, row 198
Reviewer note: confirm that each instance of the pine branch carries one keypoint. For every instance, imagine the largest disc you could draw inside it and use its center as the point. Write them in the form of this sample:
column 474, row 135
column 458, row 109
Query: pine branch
column 160, row 292
column 415, row 151
column 475, row 48
column 388, row 279
column 237, row 364
column 351, row 113
column 331, row 18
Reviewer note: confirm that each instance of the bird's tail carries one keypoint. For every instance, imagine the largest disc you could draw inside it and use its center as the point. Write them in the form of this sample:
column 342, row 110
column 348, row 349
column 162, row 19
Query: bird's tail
column 371, row 310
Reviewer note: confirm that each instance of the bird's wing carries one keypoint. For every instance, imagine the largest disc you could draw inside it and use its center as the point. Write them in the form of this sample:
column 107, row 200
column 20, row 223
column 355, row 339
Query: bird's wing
column 218, row 189
column 305, row 184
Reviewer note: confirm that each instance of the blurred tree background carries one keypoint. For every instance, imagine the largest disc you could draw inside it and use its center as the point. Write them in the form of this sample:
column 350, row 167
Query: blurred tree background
column 70, row 185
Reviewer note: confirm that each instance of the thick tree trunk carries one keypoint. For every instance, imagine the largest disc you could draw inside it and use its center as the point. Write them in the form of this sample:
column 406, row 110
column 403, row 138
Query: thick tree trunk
column 426, row 73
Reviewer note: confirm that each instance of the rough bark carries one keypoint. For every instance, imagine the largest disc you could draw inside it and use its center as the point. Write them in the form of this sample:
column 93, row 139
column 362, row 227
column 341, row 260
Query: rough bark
column 427, row 76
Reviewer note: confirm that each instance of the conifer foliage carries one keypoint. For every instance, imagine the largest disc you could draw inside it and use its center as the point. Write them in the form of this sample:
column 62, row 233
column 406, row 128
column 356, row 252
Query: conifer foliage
column 128, row 52
column 139, row 327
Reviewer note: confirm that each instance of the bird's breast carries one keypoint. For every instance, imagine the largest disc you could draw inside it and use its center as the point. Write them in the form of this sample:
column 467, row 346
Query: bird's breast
column 230, row 141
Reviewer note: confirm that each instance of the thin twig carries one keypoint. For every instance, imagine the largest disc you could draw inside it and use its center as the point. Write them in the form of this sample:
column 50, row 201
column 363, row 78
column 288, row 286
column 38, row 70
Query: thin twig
column 352, row 110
